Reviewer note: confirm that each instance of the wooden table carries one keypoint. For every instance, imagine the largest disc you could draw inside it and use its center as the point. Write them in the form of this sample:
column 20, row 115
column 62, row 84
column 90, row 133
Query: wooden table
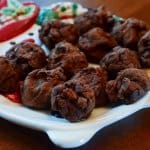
column 132, row 133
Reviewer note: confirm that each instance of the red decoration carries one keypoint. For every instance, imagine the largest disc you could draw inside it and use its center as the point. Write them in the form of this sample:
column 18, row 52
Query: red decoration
column 14, row 28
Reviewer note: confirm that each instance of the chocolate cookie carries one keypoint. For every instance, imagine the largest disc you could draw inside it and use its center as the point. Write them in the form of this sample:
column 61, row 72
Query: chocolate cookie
column 27, row 56
column 119, row 59
column 144, row 50
column 128, row 32
column 9, row 76
column 56, row 31
column 68, row 57
column 73, row 100
column 96, row 78
column 99, row 17
column 129, row 86
column 37, row 87
column 96, row 43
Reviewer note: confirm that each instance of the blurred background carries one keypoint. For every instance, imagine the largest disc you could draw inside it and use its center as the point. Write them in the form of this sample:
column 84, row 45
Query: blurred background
column 124, row 8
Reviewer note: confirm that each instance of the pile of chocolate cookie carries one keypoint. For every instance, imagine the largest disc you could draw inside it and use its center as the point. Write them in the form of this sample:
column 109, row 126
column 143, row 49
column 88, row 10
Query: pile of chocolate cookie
column 63, row 82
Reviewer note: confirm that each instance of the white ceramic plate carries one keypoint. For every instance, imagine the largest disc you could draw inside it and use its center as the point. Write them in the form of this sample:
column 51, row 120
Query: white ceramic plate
column 60, row 131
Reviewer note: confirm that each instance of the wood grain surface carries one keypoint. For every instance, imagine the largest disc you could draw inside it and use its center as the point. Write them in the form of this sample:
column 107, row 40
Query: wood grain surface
column 132, row 133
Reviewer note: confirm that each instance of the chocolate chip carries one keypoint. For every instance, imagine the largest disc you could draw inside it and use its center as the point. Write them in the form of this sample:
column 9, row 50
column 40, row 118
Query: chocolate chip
column 31, row 34
column 12, row 43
